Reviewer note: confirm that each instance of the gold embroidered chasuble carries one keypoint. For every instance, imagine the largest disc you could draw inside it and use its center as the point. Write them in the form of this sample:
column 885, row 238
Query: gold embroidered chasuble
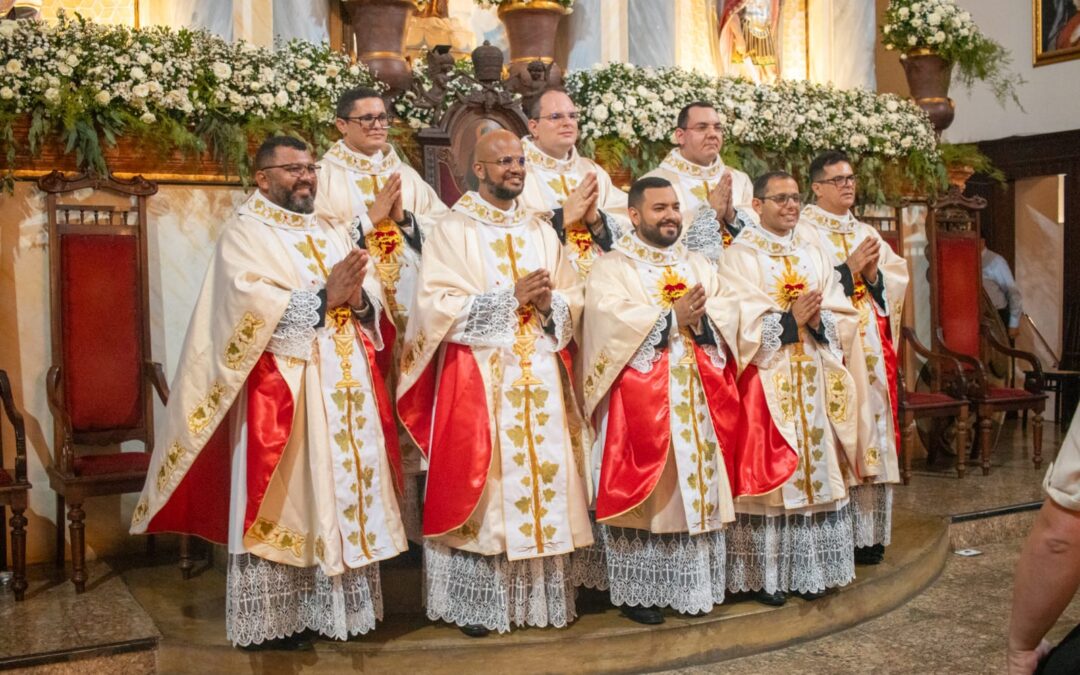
column 549, row 181
column 330, row 499
column 838, row 236
column 348, row 183
column 534, row 500
column 811, row 396
column 629, row 297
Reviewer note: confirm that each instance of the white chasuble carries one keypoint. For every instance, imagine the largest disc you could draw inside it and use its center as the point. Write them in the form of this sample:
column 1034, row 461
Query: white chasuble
column 838, row 236
column 811, row 395
column 550, row 181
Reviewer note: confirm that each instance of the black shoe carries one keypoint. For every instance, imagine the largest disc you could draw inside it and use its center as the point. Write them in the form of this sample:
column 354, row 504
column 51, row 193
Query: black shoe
column 812, row 595
column 866, row 555
column 776, row 599
column 650, row 616
column 475, row 630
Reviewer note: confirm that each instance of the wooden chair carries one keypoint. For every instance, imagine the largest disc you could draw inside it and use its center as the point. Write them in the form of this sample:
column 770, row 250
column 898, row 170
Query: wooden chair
column 959, row 329
column 14, row 488
column 100, row 385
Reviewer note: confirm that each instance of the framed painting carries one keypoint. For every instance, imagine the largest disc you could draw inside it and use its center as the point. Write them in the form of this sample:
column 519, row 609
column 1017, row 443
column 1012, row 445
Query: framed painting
column 1055, row 30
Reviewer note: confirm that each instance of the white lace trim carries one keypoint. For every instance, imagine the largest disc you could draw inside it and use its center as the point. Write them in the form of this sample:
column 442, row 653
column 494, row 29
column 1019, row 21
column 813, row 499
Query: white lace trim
column 646, row 355
column 871, row 514
column 492, row 320
column 612, row 224
column 771, row 330
column 466, row 588
column 375, row 332
column 265, row 600
column 356, row 230
column 560, row 314
column 717, row 354
column 703, row 235
column 791, row 553
column 832, row 335
column 589, row 562
column 678, row 570
column 294, row 334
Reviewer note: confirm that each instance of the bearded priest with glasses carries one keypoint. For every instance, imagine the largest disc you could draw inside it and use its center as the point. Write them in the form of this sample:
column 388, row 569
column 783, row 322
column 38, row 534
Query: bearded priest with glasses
column 589, row 211
column 875, row 281
column 487, row 393
column 364, row 186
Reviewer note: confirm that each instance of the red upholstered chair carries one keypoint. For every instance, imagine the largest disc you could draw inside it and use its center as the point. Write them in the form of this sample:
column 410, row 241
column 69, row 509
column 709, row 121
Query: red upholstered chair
column 13, row 492
column 100, row 386
column 959, row 329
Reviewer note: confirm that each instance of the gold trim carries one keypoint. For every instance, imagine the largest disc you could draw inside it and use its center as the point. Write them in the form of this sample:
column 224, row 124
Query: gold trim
column 529, row 59
column 276, row 536
column 922, row 51
column 937, row 99
column 204, row 413
column 381, row 55
column 1039, row 57
column 518, row 5
column 243, row 337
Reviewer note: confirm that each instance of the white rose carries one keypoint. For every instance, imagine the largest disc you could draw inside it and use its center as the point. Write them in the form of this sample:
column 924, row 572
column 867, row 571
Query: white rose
column 7, row 28
column 147, row 118
column 141, row 90
column 72, row 60
column 267, row 99
column 64, row 69
column 282, row 98
column 354, row 70
column 933, row 19
column 138, row 73
column 52, row 94
column 617, row 107
column 6, row 93
column 143, row 58
column 303, row 63
column 905, row 142
column 668, row 96
column 904, row 13
column 156, row 67
column 600, row 112
column 320, row 81
column 964, row 32
column 36, row 52
column 939, row 37
column 917, row 22
column 292, row 86
column 891, row 105
column 916, row 8
column 222, row 71
column 886, row 29
column 332, row 70
column 13, row 66
column 912, row 40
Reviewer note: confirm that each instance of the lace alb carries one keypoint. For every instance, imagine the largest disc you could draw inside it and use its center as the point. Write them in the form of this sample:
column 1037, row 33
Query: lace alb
column 492, row 320
column 871, row 513
column 703, row 235
column 265, row 600
column 646, row 355
column 771, row 330
column 794, row 552
column 465, row 588
column 560, row 315
column 294, row 334
column 832, row 335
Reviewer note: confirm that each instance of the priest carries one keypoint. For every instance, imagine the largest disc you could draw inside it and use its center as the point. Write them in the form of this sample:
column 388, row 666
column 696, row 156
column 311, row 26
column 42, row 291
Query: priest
column 792, row 530
column 652, row 343
column 486, row 391
column 715, row 198
column 364, row 184
column 279, row 439
column 589, row 211
column 874, row 279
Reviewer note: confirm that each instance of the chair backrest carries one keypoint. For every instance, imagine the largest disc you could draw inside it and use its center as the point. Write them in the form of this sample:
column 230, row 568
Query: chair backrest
column 100, row 306
column 952, row 226
column 887, row 223
column 18, row 429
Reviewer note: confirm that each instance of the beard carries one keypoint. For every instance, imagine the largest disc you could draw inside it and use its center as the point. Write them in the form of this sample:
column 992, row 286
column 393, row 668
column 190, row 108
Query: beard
column 652, row 235
column 502, row 192
column 287, row 198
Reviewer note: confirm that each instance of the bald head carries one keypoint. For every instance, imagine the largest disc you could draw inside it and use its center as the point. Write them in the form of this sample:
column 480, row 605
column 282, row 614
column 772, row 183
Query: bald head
column 500, row 166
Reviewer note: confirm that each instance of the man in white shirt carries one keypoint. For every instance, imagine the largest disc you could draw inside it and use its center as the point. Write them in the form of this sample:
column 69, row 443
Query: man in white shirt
column 999, row 284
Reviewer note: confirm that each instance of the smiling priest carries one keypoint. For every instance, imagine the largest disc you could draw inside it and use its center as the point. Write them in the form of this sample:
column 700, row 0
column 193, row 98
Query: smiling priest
column 486, row 391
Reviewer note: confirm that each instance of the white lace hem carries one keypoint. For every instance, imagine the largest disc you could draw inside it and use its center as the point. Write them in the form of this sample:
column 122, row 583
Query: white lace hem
column 466, row 588
column 560, row 315
column 832, row 335
column 678, row 570
column 871, row 514
column 294, row 334
column 492, row 320
column 717, row 354
column 793, row 553
column 771, row 330
column 375, row 332
column 703, row 235
column 646, row 355
column 613, row 227
column 266, row 600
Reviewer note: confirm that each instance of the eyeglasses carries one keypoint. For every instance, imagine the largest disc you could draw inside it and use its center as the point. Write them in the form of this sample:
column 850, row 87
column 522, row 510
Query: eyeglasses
column 559, row 117
column 368, row 121
column 703, row 127
column 781, row 200
column 840, row 181
column 505, row 162
column 294, row 170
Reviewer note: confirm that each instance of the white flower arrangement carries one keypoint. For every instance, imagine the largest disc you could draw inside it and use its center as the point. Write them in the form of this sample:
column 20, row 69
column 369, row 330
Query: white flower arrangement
column 88, row 81
column 950, row 32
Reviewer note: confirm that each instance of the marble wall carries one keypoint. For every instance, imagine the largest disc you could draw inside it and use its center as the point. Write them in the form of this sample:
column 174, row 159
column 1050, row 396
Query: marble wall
column 183, row 224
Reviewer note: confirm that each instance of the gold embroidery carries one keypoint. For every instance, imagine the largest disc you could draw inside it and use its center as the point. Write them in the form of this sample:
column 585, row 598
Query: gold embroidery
column 782, row 386
column 320, row 548
column 630, row 245
column 671, row 287
column 469, row 530
column 837, row 396
column 362, row 163
column 537, row 157
column 142, row 509
column 873, row 457
column 203, row 413
column 474, row 206
column 276, row 215
column 677, row 163
column 789, row 285
column 281, row 538
column 412, row 352
column 593, row 379
column 242, row 339
column 172, row 459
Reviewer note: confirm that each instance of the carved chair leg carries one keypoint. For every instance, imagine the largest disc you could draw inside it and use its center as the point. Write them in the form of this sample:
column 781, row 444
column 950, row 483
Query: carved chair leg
column 986, row 425
column 186, row 562
column 18, row 552
column 908, row 433
column 78, row 547
column 61, row 516
column 961, row 441
column 1036, row 438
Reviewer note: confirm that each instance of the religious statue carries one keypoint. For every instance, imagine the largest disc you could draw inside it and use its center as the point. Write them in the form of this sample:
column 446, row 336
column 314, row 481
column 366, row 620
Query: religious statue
column 490, row 92
column 530, row 83
column 749, row 39
column 432, row 25
column 440, row 68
